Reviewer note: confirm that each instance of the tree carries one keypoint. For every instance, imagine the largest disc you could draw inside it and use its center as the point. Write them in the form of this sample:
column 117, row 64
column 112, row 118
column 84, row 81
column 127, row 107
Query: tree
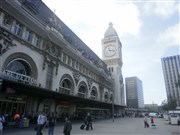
column 164, row 105
column 169, row 105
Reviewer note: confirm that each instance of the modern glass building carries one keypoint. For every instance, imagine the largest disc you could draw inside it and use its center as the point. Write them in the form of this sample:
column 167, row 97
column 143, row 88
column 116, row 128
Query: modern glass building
column 171, row 71
column 134, row 92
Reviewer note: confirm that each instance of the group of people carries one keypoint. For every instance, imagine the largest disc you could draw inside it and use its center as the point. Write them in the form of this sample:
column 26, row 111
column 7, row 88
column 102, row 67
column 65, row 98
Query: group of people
column 146, row 124
column 49, row 121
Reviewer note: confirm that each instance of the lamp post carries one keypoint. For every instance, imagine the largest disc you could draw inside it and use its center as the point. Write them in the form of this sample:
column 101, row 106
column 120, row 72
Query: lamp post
column 113, row 107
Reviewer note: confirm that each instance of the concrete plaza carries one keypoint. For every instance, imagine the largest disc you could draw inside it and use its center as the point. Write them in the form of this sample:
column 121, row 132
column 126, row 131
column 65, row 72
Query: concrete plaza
column 120, row 126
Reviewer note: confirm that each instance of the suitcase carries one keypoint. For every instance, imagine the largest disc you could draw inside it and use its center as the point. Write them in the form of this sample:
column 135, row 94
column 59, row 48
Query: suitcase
column 153, row 126
column 87, row 127
column 82, row 126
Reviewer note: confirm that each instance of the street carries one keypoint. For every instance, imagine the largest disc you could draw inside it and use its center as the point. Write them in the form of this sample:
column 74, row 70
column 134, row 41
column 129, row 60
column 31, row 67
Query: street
column 120, row 126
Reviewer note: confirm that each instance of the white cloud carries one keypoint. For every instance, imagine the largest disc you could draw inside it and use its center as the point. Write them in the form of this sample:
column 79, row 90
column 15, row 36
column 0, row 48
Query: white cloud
column 97, row 14
column 89, row 18
column 163, row 9
column 170, row 37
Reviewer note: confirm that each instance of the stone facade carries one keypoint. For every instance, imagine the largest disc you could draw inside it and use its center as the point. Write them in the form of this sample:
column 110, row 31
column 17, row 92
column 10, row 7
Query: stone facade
column 44, row 66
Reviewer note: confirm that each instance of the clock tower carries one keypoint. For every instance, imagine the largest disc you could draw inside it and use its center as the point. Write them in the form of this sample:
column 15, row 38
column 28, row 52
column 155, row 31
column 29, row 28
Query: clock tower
column 112, row 56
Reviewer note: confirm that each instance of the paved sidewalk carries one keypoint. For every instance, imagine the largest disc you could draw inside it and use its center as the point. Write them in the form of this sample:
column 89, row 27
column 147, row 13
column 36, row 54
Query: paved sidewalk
column 121, row 126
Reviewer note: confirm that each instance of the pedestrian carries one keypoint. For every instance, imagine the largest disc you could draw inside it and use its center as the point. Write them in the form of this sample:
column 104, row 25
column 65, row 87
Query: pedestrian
column 51, row 123
column 89, row 122
column 152, row 120
column 146, row 122
column 41, row 122
column 67, row 126
column 153, row 125
column 1, row 125
column 17, row 119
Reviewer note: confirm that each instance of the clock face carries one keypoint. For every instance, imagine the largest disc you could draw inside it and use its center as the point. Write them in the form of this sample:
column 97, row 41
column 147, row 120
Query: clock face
column 110, row 50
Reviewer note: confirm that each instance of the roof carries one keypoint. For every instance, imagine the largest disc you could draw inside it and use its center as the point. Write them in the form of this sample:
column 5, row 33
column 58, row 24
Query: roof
column 110, row 32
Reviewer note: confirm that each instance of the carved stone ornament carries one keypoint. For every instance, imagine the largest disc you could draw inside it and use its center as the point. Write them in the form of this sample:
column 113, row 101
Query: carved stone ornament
column 89, row 83
column 54, row 22
column 101, row 87
column 5, row 42
column 76, row 77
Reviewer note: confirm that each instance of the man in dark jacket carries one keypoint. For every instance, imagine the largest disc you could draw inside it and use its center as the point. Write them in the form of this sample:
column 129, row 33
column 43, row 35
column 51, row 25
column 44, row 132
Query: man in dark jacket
column 67, row 126
column 89, row 122
column 51, row 123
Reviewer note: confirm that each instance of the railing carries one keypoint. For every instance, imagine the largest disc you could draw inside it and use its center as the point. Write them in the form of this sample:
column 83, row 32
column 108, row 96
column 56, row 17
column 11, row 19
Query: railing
column 80, row 94
column 64, row 90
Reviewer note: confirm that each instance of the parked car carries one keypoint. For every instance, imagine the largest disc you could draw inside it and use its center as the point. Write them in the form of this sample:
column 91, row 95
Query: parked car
column 160, row 115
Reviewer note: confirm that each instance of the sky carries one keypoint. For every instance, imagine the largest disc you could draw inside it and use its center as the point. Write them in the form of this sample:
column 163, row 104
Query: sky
column 148, row 30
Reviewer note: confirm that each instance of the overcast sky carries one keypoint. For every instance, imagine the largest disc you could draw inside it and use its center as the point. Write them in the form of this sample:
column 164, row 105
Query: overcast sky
column 147, row 30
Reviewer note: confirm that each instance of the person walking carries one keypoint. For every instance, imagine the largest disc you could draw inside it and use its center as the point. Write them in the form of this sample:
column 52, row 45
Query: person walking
column 67, row 126
column 41, row 121
column 146, row 121
column 1, row 125
column 89, row 122
column 51, row 123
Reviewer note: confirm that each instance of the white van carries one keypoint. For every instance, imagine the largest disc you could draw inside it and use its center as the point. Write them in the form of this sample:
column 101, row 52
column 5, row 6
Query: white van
column 153, row 114
column 174, row 117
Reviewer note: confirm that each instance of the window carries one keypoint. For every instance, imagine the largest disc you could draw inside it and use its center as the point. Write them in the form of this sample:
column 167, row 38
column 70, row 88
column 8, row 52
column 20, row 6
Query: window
column 18, row 29
column 37, row 40
column 73, row 63
column 81, row 92
column 93, row 94
column 69, row 61
column 106, row 96
column 64, row 57
column 77, row 65
column 28, row 35
column 20, row 66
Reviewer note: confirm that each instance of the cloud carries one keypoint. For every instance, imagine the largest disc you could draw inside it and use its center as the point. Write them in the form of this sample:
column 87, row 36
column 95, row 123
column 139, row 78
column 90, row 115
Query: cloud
column 90, row 19
column 163, row 9
column 170, row 37
column 97, row 14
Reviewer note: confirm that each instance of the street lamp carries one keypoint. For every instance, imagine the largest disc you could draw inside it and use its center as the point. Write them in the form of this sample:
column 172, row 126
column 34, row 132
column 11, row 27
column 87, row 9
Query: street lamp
column 113, row 106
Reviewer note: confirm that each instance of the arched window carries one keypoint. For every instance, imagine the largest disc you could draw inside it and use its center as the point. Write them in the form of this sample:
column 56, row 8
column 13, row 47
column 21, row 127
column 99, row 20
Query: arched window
column 82, row 91
column 66, row 86
column 93, row 94
column 106, row 96
column 20, row 66
column 111, row 97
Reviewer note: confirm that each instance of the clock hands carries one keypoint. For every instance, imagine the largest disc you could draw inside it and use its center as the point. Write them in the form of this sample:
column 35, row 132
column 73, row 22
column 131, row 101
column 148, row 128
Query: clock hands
column 111, row 50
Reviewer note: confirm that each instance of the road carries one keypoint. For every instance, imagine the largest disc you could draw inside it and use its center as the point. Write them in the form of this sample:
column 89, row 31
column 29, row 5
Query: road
column 120, row 126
